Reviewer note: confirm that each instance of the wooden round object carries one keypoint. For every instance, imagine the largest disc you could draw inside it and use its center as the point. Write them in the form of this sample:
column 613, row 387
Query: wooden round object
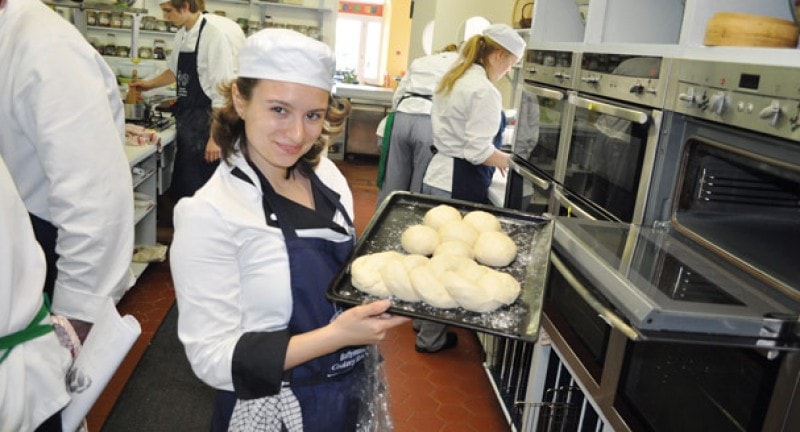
column 739, row 29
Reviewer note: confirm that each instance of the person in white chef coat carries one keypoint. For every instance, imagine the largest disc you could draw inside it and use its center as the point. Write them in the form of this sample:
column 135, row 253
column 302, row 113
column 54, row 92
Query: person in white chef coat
column 411, row 135
column 62, row 138
column 467, row 117
column 33, row 364
column 204, row 56
column 255, row 249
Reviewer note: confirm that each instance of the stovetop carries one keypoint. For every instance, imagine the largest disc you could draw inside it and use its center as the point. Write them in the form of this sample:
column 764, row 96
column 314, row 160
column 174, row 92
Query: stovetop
column 157, row 122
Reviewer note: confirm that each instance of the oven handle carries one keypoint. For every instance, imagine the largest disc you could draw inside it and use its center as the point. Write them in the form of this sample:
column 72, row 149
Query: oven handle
column 606, row 314
column 629, row 114
column 560, row 197
column 543, row 92
column 538, row 181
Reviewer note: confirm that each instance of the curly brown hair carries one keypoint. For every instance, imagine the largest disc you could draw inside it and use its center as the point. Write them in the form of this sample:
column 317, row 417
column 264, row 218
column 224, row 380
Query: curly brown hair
column 227, row 127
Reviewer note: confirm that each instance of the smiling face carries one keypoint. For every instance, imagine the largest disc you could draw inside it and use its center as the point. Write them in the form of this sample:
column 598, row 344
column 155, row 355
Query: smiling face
column 281, row 121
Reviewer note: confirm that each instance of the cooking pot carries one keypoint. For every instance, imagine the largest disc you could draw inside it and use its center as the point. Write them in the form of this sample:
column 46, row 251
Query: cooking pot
column 137, row 111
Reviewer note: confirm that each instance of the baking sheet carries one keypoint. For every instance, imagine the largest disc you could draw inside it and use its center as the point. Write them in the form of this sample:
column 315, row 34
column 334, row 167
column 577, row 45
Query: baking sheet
column 531, row 233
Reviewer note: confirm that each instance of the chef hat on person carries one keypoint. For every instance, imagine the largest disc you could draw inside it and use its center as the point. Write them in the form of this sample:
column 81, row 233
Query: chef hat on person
column 286, row 55
column 507, row 38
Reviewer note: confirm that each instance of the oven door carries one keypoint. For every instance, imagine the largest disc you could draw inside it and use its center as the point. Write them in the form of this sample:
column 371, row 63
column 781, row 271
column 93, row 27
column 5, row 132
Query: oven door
column 610, row 154
column 537, row 139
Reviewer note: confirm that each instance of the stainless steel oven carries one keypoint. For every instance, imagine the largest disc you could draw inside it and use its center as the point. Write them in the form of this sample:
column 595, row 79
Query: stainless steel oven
column 614, row 129
column 691, row 321
column 542, row 118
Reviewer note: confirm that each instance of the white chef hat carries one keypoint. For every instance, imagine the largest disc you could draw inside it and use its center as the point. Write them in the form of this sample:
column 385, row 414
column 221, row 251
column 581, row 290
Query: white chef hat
column 286, row 55
column 507, row 38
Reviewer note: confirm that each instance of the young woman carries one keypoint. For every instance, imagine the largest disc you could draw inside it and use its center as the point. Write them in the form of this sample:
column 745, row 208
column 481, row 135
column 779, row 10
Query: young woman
column 466, row 115
column 256, row 247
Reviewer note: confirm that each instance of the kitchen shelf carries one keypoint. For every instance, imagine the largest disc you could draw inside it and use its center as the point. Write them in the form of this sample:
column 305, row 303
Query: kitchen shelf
column 127, row 31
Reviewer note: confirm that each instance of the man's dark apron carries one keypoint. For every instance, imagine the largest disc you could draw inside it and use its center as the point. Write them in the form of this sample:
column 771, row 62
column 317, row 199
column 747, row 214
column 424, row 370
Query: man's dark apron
column 471, row 182
column 193, row 122
column 323, row 386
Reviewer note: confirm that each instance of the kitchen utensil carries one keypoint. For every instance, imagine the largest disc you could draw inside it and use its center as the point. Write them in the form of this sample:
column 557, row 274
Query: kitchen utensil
column 531, row 233
column 740, row 29
column 136, row 111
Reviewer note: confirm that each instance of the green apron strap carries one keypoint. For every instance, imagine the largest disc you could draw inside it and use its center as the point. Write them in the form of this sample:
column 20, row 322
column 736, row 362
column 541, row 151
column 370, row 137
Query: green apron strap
column 387, row 135
column 32, row 331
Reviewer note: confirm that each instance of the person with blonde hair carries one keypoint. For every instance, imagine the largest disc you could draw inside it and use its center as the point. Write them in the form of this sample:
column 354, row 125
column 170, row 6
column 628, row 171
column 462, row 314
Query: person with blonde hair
column 467, row 116
column 257, row 246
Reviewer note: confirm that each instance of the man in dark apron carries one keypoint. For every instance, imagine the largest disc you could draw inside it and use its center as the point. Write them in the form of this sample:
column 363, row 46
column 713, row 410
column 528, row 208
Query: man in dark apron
column 193, row 120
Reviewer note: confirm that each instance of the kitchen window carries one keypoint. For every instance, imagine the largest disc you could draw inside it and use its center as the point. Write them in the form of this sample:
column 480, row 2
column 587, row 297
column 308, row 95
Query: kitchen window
column 359, row 38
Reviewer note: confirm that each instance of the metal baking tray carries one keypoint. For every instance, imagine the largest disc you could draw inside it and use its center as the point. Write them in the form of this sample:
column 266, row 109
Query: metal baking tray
column 531, row 233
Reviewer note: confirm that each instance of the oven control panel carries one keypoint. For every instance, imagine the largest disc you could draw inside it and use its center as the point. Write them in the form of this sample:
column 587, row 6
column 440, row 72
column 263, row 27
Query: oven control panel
column 636, row 79
column 556, row 68
column 760, row 98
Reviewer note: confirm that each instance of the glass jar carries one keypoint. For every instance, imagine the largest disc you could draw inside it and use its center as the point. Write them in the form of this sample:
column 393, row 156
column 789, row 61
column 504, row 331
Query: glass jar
column 159, row 49
column 91, row 18
column 149, row 23
column 123, row 51
column 116, row 20
column 145, row 52
column 127, row 21
column 161, row 26
column 104, row 18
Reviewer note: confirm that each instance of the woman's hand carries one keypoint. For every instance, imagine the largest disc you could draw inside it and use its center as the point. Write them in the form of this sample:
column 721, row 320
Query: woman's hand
column 365, row 324
column 212, row 150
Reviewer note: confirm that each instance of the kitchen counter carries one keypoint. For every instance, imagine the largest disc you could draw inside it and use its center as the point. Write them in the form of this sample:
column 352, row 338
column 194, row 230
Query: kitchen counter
column 378, row 95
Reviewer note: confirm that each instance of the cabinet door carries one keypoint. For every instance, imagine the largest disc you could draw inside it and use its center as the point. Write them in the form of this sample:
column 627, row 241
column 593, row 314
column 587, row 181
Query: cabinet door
column 361, row 129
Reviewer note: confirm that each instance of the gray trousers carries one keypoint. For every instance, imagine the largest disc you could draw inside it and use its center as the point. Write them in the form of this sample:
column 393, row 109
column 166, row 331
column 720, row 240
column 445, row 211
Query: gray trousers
column 431, row 335
column 409, row 154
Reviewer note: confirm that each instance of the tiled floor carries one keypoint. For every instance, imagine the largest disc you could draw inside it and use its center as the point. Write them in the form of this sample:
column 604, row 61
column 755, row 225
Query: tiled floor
column 447, row 391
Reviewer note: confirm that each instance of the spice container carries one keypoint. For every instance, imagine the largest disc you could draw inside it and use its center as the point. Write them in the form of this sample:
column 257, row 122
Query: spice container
column 161, row 26
column 110, row 48
column 104, row 18
column 116, row 20
column 159, row 49
column 145, row 52
column 91, row 18
column 123, row 51
column 127, row 21
column 149, row 23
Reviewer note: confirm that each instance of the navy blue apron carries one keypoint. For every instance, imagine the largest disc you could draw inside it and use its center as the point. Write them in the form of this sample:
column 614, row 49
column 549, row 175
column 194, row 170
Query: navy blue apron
column 471, row 182
column 193, row 122
column 324, row 386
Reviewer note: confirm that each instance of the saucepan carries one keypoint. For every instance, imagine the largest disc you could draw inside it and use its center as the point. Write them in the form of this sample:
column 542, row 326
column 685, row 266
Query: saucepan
column 136, row 111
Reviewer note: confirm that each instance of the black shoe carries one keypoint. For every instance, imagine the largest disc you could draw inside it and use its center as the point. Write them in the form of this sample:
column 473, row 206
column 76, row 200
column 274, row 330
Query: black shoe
column 451, row 340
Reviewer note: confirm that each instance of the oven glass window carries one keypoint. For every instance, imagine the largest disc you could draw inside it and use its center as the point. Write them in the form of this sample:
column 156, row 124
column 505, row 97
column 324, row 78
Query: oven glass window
column 538, row 131
column 605, row 161
column 679, row 387
column 744, row 205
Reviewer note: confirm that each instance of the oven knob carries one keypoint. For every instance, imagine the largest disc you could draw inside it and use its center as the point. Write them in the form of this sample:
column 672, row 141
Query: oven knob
column 688, row 97
column 719, row 102
column 591, row 79
column 637, row 89
column 772, row 113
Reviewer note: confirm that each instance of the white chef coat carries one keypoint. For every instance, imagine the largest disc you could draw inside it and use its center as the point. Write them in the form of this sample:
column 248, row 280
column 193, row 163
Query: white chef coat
column 32, row 377
column 465, row 122
column 231, row 270
column 62, row 138
column 422, row 78
column 232, row 31
column 216, row 62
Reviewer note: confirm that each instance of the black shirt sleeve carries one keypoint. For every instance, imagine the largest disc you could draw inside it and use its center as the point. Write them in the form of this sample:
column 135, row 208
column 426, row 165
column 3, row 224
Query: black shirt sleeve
column 257, row 366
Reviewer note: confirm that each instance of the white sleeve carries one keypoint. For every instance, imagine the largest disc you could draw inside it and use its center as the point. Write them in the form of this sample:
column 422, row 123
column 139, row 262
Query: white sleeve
column 216, row 63
column 79, row 146
column 482, row 125
column 205, row 272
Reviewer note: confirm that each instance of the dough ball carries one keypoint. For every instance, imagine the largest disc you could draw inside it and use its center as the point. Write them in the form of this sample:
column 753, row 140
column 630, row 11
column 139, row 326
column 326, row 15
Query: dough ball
column 494, row 248
column 414, row 260
column 458, row 231
column 365, row 273
column 482, row 221
column 468, row 294
column 453, row 247
column 442, row 263
column 440, row 216
column 501, row 287
column 419, row 239
column 430, row 289
column 395, row 278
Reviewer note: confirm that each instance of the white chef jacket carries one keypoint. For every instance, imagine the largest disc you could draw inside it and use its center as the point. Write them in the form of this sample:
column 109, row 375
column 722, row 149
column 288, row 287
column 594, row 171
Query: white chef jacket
column 216, row 62
column 32, row 378
column 231, row 270
column 422, row 78
column 465, row 122
column 233, row 32
column 62, row 138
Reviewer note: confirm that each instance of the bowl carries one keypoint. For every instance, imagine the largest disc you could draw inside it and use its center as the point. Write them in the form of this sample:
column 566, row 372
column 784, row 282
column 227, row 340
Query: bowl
column 748, row 30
